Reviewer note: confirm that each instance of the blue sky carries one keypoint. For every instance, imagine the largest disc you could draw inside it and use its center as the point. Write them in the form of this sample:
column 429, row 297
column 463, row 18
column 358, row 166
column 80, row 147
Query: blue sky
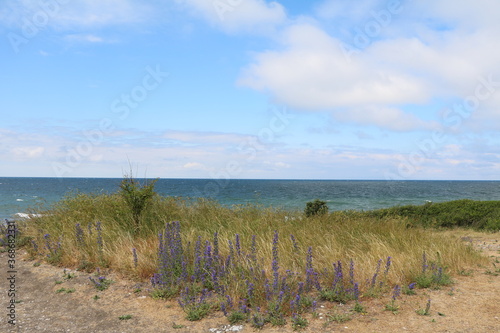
column 330, row 89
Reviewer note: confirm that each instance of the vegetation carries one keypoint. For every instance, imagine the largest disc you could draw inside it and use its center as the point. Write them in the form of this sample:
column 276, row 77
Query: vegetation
column 482, row 215
column 137, row 197
column 316, row 207
column 255, row 264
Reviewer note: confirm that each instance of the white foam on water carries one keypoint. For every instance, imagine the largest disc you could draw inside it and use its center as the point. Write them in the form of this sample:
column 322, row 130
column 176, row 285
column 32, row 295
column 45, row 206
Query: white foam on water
column 27, row 216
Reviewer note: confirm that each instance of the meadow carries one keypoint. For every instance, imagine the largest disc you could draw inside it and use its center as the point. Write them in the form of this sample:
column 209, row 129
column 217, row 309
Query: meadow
column 255, row 264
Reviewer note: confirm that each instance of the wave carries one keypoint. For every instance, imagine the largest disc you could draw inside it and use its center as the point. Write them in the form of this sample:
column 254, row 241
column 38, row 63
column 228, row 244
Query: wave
column 26, row 216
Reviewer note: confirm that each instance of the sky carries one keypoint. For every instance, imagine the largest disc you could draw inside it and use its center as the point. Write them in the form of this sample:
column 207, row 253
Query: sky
column 322, row 89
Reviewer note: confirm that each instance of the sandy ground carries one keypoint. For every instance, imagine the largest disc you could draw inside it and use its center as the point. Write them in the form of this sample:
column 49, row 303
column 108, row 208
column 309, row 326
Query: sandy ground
column 472, row 304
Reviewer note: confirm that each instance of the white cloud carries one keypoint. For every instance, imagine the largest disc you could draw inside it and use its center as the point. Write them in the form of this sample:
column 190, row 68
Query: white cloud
column 205, row 138
column 84, row 38
column 76, row 14
column 412, row 61
column 27, row 152
column 313, row 73
column 384, row 117
column 194, row 166
column 240, row 15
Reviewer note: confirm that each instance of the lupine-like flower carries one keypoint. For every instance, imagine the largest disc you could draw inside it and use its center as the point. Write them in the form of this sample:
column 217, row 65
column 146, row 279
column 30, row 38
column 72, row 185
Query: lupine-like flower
column 99, row 236
column 275, row 263
column 412, row 285
column 216, row 245
column 47, row 242
column 424, row 263
column 250, row 289
column 428, row 306
column 229, row 302
column 243, row 306
column 387, row 265
column 231, row 248
column 396, row 292
column 253, row 250
column 79, row 234
column 338, row 284
column 237, row 244
column 356, row 291
column 374, row 278
column 268, row 290
column 35, row 246
column 134, row 254
column 351, row 273
column 294, row 242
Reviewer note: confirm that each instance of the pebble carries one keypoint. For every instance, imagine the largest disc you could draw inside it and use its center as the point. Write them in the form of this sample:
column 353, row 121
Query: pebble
column 228, row 328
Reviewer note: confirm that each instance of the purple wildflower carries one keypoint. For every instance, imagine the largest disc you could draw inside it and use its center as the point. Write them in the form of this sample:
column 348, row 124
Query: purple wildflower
column 134, row 254
column 35, row 246
column 387, row 265
column 99, row 236
column 275, row 263
column 374, row 278
column 396, row 292
column 356, row 291
column 253, row 250
column 79, row 234
column 351, row 272
column 295, row 245
column 237, row 244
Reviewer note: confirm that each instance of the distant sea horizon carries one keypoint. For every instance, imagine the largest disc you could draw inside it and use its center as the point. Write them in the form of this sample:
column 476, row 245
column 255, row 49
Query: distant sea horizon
column 29, row 194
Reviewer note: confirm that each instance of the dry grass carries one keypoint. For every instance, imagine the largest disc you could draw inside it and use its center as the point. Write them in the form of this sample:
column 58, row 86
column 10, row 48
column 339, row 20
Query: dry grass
column 337, row 236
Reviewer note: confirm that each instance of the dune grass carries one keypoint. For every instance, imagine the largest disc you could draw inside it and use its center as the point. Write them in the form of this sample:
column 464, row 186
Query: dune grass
column 245, row 260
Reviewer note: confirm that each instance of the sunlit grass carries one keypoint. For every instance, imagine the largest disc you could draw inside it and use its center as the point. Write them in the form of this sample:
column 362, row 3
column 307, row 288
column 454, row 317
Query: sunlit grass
column 88, row 231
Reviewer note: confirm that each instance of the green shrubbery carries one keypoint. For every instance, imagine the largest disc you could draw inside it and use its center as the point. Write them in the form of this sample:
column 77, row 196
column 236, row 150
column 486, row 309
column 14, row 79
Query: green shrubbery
column 482, row 215
column 137, row 197
column 316, row 207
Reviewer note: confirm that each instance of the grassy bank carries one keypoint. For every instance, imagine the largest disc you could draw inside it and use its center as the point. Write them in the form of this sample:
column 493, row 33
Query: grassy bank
column 261, row 264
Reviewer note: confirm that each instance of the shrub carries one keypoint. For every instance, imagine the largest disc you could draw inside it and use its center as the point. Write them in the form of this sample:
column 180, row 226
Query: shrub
column 316, row 207
column 137, row 197
column 481, row 215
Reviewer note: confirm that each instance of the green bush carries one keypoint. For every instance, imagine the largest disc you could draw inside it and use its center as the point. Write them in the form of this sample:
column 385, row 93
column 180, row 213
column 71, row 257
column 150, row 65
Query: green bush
column 316, row 207
column 137, row 197
column 481, row 215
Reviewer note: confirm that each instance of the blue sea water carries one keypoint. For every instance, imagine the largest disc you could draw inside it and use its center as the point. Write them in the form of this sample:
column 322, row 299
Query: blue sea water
column 26, row 195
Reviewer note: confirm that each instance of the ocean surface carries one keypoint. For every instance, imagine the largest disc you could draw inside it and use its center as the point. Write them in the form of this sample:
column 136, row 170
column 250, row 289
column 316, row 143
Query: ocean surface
column 29, row 195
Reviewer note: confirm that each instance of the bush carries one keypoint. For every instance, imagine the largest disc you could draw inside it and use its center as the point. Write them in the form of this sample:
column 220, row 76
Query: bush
column 316, row 207
column 481, row 215
column 137, row 197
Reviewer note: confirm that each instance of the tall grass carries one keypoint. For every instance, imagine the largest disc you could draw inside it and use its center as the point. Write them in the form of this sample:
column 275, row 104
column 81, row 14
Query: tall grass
column 275, row 257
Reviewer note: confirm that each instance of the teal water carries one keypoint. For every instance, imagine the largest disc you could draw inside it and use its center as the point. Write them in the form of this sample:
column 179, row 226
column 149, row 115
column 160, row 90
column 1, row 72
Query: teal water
column 22, row 195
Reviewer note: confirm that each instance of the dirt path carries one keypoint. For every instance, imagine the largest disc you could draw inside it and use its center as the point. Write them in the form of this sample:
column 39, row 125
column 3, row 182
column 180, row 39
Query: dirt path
column 472, row 304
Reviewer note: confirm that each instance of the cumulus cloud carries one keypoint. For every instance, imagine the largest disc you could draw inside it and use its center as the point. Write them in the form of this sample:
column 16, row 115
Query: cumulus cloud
column 313, row 73
column 410, row 62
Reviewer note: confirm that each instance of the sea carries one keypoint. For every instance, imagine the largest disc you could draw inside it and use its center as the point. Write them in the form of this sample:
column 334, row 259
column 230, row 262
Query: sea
column 25, row 195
